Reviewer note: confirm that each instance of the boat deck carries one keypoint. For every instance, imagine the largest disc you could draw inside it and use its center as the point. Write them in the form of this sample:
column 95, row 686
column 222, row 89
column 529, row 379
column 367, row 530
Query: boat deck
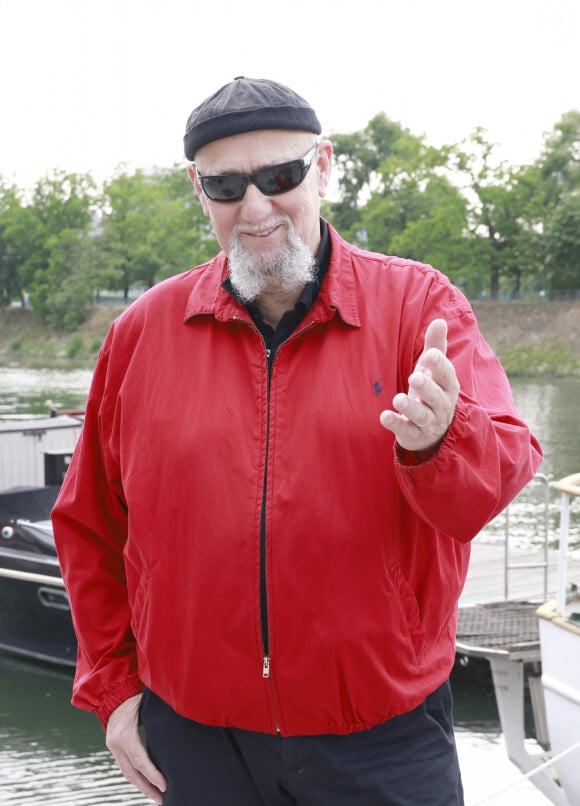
column 499, row 627
column 489, row 623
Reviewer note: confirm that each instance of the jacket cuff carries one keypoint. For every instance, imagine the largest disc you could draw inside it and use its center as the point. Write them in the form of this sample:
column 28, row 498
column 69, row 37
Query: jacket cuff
column 406, row 458
column 116, row 697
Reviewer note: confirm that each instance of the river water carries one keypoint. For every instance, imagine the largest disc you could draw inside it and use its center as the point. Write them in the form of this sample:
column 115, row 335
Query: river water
column 50, row 753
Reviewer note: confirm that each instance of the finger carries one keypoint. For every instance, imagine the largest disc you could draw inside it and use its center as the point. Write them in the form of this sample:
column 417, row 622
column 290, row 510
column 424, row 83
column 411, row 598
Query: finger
column 140, row 771
column 414, row 410
column 431, row 393
column 397, row 423
column 418, row 384
column 436, row 336
column 409, row 435
column 435, row 344
column 445, row 377
column 124, row 742
column 439, row 382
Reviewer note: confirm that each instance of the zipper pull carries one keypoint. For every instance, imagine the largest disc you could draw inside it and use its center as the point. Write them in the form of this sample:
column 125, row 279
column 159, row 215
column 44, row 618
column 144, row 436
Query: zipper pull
column 266, row 667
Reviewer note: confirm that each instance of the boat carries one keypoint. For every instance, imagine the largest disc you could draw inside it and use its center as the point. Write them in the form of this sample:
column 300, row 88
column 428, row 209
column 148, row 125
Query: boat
column 559, row 626
column 532, row 647
column 36, row 452
column 35, row 617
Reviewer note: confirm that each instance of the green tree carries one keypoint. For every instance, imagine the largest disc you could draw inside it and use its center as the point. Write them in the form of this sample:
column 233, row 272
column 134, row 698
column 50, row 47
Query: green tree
column 23, row 239
column 395, row 197
column 60, row 201
column 436, row 234
column 62, row 291
column 10, row 211
column 59, row 211
column 523, row 226
column 357, row 158
column 563, row 245
column 558, row 186
column 495, row 193
column 147, row 228
column 559, row 162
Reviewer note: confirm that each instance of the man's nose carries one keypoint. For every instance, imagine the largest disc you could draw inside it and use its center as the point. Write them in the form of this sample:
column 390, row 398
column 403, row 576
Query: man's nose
column 255, row 206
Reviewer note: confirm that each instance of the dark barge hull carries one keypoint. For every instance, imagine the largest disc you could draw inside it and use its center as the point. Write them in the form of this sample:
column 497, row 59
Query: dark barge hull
column 35, row 618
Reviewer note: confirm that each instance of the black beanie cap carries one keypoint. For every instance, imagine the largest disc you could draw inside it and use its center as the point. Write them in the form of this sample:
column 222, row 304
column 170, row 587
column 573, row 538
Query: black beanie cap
column 246, row 105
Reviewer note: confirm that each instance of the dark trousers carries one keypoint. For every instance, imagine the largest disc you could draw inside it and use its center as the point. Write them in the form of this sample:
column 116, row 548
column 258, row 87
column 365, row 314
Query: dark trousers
column 410, row 760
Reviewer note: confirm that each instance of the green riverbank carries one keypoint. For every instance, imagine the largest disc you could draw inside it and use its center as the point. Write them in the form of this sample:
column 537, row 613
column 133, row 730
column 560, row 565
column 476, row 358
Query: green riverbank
column 532, row 339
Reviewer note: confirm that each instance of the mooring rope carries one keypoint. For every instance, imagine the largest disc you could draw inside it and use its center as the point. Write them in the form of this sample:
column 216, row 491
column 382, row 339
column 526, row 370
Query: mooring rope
column 530, row 774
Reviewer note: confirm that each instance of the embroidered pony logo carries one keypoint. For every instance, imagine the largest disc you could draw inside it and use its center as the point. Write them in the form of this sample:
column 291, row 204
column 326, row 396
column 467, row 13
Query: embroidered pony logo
column 377, row 387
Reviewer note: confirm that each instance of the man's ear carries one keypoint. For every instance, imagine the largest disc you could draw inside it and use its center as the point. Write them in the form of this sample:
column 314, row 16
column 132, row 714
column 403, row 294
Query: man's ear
column 324, row 162
column 192, row 173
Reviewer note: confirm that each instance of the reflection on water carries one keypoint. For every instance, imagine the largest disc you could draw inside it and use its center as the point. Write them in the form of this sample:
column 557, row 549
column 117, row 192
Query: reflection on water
column 532, row 516
column 49, row 751
column 551, row 410
column 26, row 392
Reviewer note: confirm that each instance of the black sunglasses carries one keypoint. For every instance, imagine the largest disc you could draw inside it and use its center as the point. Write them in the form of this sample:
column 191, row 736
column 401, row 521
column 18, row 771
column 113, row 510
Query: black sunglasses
column 271, row 180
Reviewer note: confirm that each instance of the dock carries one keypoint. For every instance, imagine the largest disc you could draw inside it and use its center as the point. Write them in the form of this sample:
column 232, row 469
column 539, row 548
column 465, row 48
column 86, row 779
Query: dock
column 485, row 580
column 497, row 621
column 507, row 627
column 490, row 621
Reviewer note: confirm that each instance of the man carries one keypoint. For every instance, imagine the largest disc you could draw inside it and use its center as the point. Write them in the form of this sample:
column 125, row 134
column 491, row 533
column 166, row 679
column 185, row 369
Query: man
column 265, row 527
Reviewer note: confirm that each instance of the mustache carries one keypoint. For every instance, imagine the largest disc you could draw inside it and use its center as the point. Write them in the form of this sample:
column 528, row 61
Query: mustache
column 264, row 226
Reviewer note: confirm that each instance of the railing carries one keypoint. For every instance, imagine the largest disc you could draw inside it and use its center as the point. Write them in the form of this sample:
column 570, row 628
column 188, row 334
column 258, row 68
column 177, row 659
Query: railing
column 542, row 563
column 543, row 509
column 568, row 487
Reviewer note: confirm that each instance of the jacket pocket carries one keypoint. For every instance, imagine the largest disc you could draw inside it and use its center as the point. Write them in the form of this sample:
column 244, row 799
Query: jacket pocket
column 140, row 603
column 410, row 616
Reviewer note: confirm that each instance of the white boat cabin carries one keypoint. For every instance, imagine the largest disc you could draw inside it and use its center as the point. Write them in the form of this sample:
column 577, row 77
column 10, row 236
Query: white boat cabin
column 37, row 452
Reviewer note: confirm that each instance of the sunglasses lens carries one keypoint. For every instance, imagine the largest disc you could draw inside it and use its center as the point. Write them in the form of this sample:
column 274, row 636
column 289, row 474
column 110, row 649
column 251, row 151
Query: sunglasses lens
column 280, row 178
column 270, row 181
column 229, row 187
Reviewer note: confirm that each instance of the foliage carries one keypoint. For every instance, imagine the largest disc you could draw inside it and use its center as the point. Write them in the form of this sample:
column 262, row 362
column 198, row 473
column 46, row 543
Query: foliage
column 559, row 163
column 60, row 292
column 44, row 238
column 563, row 243
column 458, row 207
column 75, row 346
column 146, row 231
column 10, row 207
column 526, row 361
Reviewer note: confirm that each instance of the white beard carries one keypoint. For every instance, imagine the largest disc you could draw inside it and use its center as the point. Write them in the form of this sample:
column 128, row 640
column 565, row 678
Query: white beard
column 287, row 270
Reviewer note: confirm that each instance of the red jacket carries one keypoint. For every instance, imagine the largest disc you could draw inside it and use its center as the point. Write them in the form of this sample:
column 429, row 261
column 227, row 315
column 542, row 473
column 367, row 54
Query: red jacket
column 189, row 453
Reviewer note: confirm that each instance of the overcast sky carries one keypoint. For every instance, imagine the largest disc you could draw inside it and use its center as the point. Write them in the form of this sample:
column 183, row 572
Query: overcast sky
column 88, row 86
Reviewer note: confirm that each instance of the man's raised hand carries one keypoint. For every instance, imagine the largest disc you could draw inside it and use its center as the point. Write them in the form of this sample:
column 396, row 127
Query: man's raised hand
column 423, row 414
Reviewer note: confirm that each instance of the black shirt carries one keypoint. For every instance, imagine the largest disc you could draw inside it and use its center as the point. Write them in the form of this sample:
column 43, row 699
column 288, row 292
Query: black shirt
column 290, row 320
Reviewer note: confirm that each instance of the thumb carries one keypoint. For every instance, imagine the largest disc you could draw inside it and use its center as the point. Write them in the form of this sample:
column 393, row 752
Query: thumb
column 436, row 336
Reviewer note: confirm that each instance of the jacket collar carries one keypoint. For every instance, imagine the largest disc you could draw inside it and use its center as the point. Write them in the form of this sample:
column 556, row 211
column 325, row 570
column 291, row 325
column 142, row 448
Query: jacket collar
column 338, row 292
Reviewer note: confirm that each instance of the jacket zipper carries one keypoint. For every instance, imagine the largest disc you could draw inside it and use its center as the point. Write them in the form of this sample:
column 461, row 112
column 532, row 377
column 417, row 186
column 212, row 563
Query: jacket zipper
column 266, row 666
column 263, row 580
column 270, row 356
column 264, row 629
column 263, row 570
